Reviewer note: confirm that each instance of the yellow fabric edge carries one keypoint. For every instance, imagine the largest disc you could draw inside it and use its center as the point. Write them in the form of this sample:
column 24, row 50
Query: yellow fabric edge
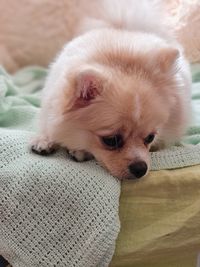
column 160, row 220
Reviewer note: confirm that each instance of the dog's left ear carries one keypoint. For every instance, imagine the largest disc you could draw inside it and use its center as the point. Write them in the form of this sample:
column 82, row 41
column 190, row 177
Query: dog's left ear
column 166, row 58
column 89, row 85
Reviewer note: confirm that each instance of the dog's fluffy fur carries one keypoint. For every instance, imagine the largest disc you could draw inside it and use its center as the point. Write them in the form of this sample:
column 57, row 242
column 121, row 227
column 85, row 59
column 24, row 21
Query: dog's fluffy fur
column 124, row 74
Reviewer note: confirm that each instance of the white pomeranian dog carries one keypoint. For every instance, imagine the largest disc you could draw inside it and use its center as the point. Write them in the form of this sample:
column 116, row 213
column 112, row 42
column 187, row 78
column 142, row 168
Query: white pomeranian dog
column 119, row 87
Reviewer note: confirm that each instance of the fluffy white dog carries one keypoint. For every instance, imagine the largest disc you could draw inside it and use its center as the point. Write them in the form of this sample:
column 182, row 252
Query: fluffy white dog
column 120, row 86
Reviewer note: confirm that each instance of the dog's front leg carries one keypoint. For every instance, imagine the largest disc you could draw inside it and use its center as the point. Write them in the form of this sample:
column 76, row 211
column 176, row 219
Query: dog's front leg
column 42, row 145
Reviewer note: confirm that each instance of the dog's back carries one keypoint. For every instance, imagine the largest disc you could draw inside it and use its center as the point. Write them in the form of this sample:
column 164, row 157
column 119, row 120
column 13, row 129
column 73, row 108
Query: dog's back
column 33, row 32
column 132, row 15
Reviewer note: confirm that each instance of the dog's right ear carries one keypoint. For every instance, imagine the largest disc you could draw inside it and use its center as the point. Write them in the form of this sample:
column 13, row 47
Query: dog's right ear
column 89, row 85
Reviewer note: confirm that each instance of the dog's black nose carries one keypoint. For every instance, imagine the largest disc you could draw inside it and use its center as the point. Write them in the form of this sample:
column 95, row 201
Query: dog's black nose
column 138, row 168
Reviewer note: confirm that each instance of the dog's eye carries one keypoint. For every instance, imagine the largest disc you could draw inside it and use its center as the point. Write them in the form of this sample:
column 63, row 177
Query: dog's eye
column 113, row 142
column 149, row 139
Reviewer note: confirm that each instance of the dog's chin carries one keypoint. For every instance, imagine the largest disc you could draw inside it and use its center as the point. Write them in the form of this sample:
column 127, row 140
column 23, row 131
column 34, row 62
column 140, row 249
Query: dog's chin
column 124, row 175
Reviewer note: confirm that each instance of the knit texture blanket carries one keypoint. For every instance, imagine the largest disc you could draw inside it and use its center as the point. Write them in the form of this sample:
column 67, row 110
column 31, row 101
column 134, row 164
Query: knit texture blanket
column 53, row 211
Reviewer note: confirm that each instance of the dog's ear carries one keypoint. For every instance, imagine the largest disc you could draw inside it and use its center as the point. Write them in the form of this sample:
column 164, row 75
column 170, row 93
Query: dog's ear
column 89, row 85
column 166, row 58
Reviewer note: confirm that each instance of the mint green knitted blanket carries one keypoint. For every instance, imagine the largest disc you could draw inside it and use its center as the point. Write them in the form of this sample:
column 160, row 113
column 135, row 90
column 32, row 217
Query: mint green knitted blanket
column 53, row 211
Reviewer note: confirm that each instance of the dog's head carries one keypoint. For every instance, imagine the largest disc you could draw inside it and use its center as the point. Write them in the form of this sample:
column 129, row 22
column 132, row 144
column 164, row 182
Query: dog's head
column 116, row 107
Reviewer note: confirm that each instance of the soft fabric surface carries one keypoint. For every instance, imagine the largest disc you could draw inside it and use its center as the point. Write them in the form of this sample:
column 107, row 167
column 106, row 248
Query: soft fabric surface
column 55, row 212
column 160, row 220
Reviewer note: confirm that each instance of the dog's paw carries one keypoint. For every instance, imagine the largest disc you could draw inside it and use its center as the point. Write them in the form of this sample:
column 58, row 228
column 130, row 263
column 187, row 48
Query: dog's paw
column 42, row 146
column 79, row 155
